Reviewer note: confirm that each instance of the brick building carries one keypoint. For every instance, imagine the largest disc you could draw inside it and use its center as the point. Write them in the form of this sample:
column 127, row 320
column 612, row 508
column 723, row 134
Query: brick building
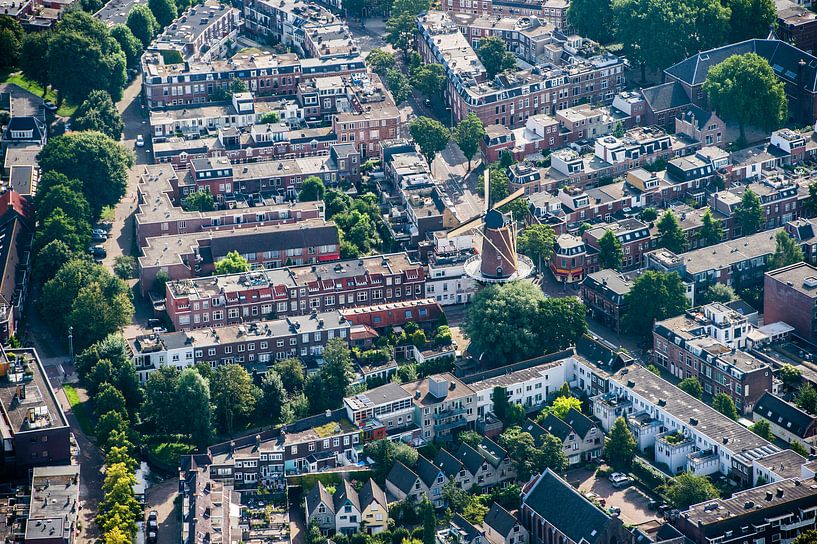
column 790, row 295
column 604, row 293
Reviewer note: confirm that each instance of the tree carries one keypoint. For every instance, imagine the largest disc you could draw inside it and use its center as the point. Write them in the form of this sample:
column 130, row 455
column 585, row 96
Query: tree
column 160, row 408
column 751, row 19
column 691, row 386
column 59, row 226
column 552, row 454
column 749, row 213
column 312, row 189
column 562, row 405
column 233, row 396
column 711, row 229
column 610, row 253
column 83, row 56
column 719, row 292
column 496, row 59
column 653, row 296
column 670, row 234
column 472, row 438
column 97, row 161
column 91, row 6
column 745, row 89
column 271, row 117
column 430, row 135
column 398, row 84
column 400, row 31
column 658, row 33
column 806, row 398
column 797, row 447
column 468, row 134
column 654, row 369
column 592, row 18
column 620, row 446
column 109, row 361
column 380, row 61
column 522, row 451
column 58, row 192
column 99, row 113
column 429, row 522
column 11, row 41
column 430, row 79
column 199, row 201
column 687, row 489
column 763, row 430
column 143, row 24
column 100, row 309
column 107, row 424
column 385, row 453
column 537, row 241
column 314, row 535
column 164, row 11
column 50, row 258
column 787, row 251
column 291, row 372
column 649, row 215
column 237, row 86
column 810, row 203
column 790, row 375
column 273, row 396
column 193, row 400
column 34, row 57
column 499, row 398
column 327, row 388
column 130, row 44
column 109, row 399
column 724, row 404
column 806, row 537
column 232, row 263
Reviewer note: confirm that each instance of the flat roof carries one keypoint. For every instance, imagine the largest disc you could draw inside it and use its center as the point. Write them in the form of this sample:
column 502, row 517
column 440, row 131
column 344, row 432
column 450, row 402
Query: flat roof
column 54, row 503
column 801, row 277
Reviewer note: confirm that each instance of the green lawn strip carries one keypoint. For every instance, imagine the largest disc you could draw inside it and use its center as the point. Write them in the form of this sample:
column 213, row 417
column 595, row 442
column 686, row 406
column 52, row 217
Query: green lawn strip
column 17, row 78
column 81, row 410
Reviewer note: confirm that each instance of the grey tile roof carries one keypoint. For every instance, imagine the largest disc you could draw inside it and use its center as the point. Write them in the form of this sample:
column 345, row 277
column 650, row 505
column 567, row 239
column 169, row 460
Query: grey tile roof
column 371, row 492
column 580, row 422
column 665, row 96
column 449, row 464
column 346, row 493
column 500, row 520
column 556, row 427
column 402, row 477
column 318, row 494
column 427, row 471
column 469, row 457
column 786, row 415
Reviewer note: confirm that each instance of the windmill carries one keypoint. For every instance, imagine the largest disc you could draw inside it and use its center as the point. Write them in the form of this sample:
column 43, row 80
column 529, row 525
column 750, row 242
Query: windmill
column 497, row 261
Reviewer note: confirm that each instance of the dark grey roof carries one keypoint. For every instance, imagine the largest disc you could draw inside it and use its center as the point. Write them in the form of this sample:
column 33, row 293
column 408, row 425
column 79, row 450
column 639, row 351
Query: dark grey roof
column 285, row 238
column 786, row 415
column 665, row 96
column 535, row 430
column 741, row 306
column 427, row 471
column 469, row 457
column 449, row 464
column 563, row 507
column 465, row 526
column 500, row 520
column 699, row 115
column 346, row 493
column 783, row 57
column 556, row 427
column 491, row 451
column 580, row 422
column 318, row 494
column 371, row 492
column 402, row 477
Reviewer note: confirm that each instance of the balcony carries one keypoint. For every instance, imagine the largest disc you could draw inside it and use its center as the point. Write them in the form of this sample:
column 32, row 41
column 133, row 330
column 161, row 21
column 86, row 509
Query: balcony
column 453, row 412
column 441, row 427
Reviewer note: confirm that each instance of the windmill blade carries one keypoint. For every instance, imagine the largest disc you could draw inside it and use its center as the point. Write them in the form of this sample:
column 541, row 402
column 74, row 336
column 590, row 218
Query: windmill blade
column 487, row 189
column 471, row 224
column 510, row 198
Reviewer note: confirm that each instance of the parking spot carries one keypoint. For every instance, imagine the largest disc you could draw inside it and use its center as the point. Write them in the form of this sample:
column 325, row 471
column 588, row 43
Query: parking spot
column 634, row 504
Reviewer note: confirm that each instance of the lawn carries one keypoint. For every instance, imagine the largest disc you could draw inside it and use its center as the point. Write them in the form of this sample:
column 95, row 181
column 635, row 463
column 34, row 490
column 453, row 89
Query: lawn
column 81, row 409
column 167, row 454
column 17, row 78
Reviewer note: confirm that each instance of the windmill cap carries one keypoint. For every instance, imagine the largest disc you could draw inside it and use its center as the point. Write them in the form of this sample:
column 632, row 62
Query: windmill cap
column 494, row 220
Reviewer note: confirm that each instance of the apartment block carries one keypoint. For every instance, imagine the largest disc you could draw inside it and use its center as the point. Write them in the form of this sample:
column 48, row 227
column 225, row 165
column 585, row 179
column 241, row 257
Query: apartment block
column 790, row 295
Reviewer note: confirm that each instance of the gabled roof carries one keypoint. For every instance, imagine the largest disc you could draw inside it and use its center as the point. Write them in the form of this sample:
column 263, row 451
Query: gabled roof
column 500, row 520
column 427, row 471
column 402, row 477
column 562, row 506
column 491, row 451
column 449, row 464
column 534, row 429
column 698, row 115
column 318, row 494
column 556, row 427
column 471, row 532
column 469, row 457
column 346, row 493
column 372, row 493
column 666, row 96
column 784, row 59
column 580, row 422
column 787, row 416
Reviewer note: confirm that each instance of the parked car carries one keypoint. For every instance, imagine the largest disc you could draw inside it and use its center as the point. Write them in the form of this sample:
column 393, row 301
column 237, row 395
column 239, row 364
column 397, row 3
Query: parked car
column 140, row 141
column 619, row 479
column 98, row 235
column 104, row 226
column 153, row 526
column 50, row 106
column 153, row 323
column 614, row 510
column 98, row 252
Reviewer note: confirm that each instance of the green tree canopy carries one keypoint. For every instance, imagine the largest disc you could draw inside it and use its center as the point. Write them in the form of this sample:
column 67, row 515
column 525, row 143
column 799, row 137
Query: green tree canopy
column 670, row 234
column 620, row 447
column 193, row 400
column 751, row 19
column 232, row 263
column 50, row 258
column 610, row 253
column 380, row 61
column 806, row 398
column 99, row 113
column 537, row 241
column 430, row 79
column 724, row 404
column 273, row 396
column 312, row 189
column 160, row 409
column 562, row 405
column 291, row 372
column 494, row 56
column 199, row 201
column 719, row 292
column 233, row 396
column 763, row 430
column 163, row 10
column 468, row 134
column 430, row 135
column 687, row 489
column 592, row 18
column 398, row 84
column 130, row 44
column 326, row 388
column 11, row 41
column 790, row 375
column 692, row 386
column 34, row 57
column 143, row 24
column 745, row 89
column 711, row 229
column 400, row 32
column 654, row 296
column 787, row 251
column 749, row 213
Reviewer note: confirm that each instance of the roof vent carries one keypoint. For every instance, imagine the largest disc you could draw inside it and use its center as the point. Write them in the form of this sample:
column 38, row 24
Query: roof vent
column 748, row 505
column 768, row 495
column 810, row 282
column 693, row 421
column 662, row 402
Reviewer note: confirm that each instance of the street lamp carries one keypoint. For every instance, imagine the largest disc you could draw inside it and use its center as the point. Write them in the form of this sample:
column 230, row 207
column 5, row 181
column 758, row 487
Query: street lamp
column 71, row 343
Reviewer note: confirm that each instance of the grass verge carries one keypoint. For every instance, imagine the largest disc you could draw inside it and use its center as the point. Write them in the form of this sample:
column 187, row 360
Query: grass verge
column 17, row 78
column 81, row 409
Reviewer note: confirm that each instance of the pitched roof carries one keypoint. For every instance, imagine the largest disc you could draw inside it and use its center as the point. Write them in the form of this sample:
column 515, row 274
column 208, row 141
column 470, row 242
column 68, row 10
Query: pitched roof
column 783, row 57
column 469, row 457
column 563, row 507
column 784, row 414
column 556, row 427
column 470, row 531
column 402, row 477
column 427, row 471
column 449, row 464
column 370, row 493
column 500, row 520
column 491, row 451
column 318, row 494
column 698, row 115
column 345, row 492
column 534, row 429
column 580, row 422
column 665, row 96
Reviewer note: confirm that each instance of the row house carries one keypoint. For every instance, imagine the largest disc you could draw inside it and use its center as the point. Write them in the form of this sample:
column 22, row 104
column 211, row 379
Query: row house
column 787, row 421
column 790, row 295
column 704, row 126
column 297, row 290
column 371, row 118
column 201, row 31
column 581, row 438
column 549, row 12
column 796, row 25
column 159, row 215
column 540, row 133
column 347, row 510
column 778, row 200
column 604, row 293
column 655, row 407
column 263, row 341
column 633, row 236
column 185, row 256
column 426, row 481
column 510, row 99
column 447, row 281
column 571, row 259
column 424, row 312
column 485, row 465
column 704, row 343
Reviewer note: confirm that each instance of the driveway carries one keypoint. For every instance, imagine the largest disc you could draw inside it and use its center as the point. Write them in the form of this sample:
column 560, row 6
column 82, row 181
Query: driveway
column 633, row 503
column 161, row 497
